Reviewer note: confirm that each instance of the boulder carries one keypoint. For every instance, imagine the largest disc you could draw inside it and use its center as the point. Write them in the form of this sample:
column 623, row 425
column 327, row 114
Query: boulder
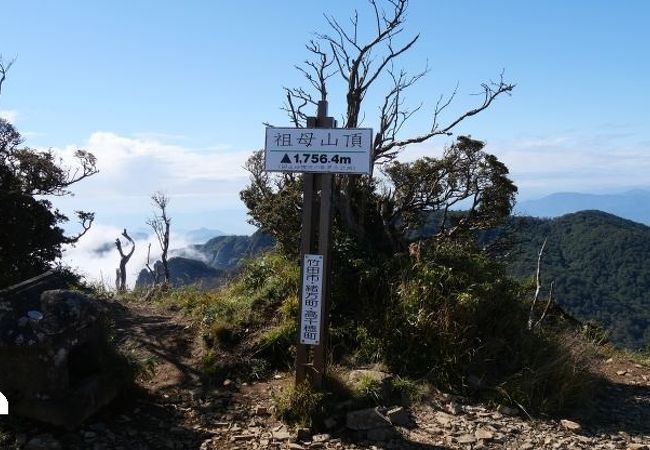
column 52, row 352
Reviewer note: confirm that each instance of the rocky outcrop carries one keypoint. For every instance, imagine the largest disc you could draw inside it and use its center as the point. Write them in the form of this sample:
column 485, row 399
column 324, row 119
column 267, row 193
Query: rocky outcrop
column 52, row 352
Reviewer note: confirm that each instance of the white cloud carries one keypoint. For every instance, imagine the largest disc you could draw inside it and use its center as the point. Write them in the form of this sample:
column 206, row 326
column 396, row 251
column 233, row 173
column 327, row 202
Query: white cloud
column 131, row 169
column 120, row 156
column 9, row 115
column 570, row 161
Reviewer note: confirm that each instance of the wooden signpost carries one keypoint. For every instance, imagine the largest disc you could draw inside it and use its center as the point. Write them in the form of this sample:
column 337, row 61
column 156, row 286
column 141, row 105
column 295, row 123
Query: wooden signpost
column 318, row 151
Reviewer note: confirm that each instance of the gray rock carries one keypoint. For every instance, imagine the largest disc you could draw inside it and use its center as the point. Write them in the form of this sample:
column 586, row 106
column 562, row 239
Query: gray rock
column 281, row 435
column 483, row 433
column 321, row 437
column 398, row 416
column 381, row 434
column 571, row 425
column 366, row 419
column 444, row 419
column 466, row 439
column 303, row 434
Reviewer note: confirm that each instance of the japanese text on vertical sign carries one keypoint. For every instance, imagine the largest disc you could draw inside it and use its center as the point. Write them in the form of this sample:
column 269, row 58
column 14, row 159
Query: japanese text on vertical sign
column 312, row 288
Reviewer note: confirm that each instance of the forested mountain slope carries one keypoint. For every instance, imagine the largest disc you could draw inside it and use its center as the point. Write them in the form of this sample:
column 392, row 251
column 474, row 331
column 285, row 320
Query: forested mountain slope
column 600, row 265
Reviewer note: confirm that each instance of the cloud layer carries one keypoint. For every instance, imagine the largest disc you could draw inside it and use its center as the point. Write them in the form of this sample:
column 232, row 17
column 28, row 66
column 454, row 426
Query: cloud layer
column 612, row 160
column 9, row 115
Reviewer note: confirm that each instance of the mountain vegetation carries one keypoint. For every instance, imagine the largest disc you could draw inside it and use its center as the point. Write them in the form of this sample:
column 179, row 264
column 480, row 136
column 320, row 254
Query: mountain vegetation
column 32, row 237
column 440, row 309
column 599, row 265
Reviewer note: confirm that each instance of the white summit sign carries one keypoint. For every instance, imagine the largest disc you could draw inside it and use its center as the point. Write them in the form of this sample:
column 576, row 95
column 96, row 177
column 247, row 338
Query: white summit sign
column 319, row 150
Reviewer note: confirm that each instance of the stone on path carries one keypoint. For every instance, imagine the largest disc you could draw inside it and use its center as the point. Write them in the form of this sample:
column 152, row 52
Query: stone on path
column 483, row 433
column 466, row 439
column 571, row 425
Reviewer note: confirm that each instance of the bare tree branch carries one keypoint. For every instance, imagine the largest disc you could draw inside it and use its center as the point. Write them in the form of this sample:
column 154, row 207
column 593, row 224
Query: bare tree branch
column 548, row 304
column 490, row 92
column 4, row 68
column 538, row 285
column 317, row 72
column 86, row 220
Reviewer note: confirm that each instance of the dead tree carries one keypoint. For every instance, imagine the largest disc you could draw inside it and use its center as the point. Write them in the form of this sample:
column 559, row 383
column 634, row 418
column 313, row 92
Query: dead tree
column 548, row 304
column 160, row 223
column 538, row 287
column 124, row 259
column 154, row 281
column 360, row 63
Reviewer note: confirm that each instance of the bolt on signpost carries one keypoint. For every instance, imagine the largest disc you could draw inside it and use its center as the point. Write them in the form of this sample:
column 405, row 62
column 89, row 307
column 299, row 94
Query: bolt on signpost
column 318, row 151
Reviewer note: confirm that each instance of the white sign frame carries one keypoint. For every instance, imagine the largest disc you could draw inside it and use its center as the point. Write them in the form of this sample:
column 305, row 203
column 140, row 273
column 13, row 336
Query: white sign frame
column 319, row 150
column 311, row 309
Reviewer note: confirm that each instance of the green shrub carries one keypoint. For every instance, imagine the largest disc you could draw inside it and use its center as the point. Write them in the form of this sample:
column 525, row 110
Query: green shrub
column 368, row 391
column 408, row 390
column 456, row 315
column 299, row 405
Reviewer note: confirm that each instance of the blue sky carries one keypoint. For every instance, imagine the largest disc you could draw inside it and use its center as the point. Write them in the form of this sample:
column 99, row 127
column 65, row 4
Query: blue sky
column 172, row 95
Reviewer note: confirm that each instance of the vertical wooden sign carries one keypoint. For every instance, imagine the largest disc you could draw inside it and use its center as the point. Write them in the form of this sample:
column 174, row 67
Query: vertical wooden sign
column 314, row 308
column 319, row 154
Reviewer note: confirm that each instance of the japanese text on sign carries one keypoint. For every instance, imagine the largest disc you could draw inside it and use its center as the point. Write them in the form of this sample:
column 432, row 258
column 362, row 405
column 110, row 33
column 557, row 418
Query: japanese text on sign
column 312, row 288
column 320, row 150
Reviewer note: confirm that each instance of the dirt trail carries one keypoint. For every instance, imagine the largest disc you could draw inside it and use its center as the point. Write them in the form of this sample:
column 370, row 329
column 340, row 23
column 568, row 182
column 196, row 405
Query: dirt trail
column 174, row 409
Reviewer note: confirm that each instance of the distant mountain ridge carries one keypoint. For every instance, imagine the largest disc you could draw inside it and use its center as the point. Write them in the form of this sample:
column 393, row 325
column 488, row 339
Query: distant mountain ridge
column 184, row 271
column 632, row 205
column 202, row 235
column 210, row 264
column 226, row 252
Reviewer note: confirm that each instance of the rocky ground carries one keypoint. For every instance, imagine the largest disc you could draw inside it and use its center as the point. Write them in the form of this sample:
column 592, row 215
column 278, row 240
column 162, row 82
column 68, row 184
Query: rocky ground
column 173, row 409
